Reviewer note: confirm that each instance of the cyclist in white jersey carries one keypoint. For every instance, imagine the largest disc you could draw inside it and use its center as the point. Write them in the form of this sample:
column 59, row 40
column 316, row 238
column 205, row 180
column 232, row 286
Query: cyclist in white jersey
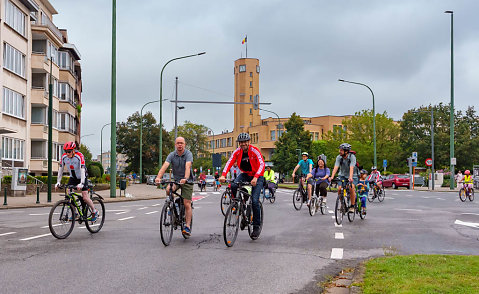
column 75, row 162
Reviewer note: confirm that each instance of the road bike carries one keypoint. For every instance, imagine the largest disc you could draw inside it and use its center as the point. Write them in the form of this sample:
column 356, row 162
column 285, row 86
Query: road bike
column 240, row 214
column 173, row 215
column 300, row 195
column 464, row 194
column 266, row 193
column 225, row 200
column 317, row 202
column 66, row 212
column 376, row 192
column 342, row 201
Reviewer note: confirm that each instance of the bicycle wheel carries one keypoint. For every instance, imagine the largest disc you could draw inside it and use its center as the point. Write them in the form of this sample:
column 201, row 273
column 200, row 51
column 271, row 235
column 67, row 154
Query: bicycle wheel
column 471, row 195
column 225, row 202
column 312, row 206
column 462, row 194
column 250, row 224
column 95, row 226
column 61, row 219
column 272, row 199
column 166, row 223
column 231, row 224
column 297, row 200
column 371, row 195
column 381, row 194
column 362, row 212
column 338, row 211
column 322, row 206
column 352, row 214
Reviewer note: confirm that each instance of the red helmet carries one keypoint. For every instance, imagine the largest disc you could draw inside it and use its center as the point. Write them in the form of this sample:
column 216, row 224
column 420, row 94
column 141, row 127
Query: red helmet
column 69, row 146
column 467, row 172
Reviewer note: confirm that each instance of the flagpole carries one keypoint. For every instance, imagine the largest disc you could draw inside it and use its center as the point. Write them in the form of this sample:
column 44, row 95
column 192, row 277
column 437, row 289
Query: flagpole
column 246, row 41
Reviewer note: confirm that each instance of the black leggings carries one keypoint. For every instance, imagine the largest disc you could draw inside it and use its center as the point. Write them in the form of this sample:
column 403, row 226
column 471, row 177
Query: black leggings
column 321, row 189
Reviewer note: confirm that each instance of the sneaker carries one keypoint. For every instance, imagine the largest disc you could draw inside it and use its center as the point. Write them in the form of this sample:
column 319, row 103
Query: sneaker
column 95, row 216
column 255, row 233
column 186, row 231
column 351, row 209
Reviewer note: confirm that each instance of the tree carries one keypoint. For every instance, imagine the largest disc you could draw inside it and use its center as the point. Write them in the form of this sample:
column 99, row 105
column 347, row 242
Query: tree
column 86, row 153
column 128, row 143
column 285, row 156
column 195, row 137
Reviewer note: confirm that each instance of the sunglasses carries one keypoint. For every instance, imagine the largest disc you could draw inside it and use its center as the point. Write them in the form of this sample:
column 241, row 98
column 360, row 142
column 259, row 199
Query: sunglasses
column 68, row 151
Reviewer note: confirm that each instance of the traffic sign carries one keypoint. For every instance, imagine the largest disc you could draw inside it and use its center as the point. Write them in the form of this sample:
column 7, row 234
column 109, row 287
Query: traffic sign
column 429, row 162
column 385, row 163
column 414, row 154
column 414, row 163
column 453, row 161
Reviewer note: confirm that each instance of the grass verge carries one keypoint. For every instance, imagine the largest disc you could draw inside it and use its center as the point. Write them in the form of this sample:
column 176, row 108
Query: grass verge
column 422, row 274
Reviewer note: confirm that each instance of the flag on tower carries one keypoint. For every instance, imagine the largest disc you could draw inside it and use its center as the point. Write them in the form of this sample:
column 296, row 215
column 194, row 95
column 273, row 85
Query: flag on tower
column 244, row 40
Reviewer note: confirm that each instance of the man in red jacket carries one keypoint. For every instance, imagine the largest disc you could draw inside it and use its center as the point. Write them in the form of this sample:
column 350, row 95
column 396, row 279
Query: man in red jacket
column 251, row 164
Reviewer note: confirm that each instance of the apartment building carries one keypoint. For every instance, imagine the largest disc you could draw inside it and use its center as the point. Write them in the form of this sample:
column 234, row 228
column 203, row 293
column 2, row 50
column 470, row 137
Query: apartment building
column 264, row 132
column 35, row 51
column 105, row 160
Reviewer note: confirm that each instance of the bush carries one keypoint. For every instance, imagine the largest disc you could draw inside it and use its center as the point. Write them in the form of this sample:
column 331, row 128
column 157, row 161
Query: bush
column 44, row 179
column 91, row 166
column 94, row 171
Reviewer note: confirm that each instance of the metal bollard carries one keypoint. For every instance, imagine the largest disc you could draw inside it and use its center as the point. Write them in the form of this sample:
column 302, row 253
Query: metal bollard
column 38, row 195
column 5, row 199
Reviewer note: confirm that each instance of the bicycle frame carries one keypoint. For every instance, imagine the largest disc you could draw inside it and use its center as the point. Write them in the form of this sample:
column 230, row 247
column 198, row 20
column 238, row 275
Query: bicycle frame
column 72, row 197
column 171, row 201
column 240, row 197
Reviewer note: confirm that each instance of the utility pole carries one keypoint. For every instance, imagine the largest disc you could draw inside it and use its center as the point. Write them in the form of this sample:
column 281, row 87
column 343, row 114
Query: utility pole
column 50, row 131
column 176, row 108
column 113, row 105
column 452, row 102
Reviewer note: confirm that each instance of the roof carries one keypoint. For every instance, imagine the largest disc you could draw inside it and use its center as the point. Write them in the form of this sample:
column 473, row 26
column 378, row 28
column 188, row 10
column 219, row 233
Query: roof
column 73, row 49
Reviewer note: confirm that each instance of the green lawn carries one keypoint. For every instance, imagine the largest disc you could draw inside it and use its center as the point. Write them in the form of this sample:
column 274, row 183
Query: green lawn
column 422, row 274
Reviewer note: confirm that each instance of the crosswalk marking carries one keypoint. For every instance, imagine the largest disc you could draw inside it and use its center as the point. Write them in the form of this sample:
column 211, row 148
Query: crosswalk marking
column 338, row 236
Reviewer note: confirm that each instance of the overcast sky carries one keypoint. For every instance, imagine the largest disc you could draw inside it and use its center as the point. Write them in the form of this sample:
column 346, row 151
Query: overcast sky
column 401, row 49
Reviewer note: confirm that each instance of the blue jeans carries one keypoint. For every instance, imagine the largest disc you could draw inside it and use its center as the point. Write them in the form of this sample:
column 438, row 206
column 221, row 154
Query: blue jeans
column 255, row 193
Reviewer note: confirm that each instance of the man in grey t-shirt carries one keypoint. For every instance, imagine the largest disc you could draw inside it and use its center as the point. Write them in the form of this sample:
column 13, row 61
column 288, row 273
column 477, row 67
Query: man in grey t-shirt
column 181, row 161
column 346, row 164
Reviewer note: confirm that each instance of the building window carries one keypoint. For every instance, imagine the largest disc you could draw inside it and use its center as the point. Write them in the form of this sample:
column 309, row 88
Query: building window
column 15, row 18
column 250, row 124
column 273, row 135
column 64, row 60
column 13, row 60
column 242, row 68
column 251, row 84
column 257, row 68
column 66, row 92
column 13, row 103
column 316, row 136
column 13, row 149
column 251, row 111
column 250, row 98
column 52, row 52
column 251, row 74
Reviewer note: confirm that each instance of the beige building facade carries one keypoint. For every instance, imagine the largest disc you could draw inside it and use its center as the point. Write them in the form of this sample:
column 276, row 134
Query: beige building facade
column 105, row 160
column 34, row 50
column 264, row 132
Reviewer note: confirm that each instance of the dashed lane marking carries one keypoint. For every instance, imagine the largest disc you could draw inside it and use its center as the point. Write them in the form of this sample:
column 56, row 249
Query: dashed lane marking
column 126, row 218
column 46, row 227
column 133, row 205
column 389, row 198
column 216, row 193
column 203, row 193
column 9, row 233
column 439, row 198
column 332, row 216
column 122, row 212
column 467, row 224
column 151, row 212
column 337, row 253
column 470, row 213
column 330, row 211
column 408, row 209
column 35, row 237
column 338, row 226
column 157, row 204
column 338, row 236
column 141, row 208
column 46, row 213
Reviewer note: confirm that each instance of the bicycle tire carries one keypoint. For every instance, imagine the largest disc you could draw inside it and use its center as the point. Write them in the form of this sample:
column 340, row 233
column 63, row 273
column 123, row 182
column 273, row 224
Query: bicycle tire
column 250, row 225
column 322, row 207
column 312, row 206
column 471, row 195
column 95, row 226
column 381, row 195
column 338, row 211
column 166, row 223
column 371, row 195
column 232, row 220
column 362, row 212
column 462, row 194
column 64, row 219
column 352, row 214
column 297, row 200
column 272, row 199
column 225, row 202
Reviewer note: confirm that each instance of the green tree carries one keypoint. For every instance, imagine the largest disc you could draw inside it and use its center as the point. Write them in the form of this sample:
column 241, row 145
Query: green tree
column 128, row 142
column 86, row 153
column 195, row 137
column 285, row 156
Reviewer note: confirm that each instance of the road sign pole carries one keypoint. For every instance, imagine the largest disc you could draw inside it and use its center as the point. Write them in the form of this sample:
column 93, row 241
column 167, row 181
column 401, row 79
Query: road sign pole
column 409, row 161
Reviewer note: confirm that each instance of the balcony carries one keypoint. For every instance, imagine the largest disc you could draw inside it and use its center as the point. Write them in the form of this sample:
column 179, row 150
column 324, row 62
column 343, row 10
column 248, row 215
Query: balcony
column 39, row 132
column 39, row 96
column 46, row 25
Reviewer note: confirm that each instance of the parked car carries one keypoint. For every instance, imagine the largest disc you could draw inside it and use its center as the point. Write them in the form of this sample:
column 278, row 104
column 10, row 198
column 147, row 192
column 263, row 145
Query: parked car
column 150, row 180
column 210, row 180
column 395, row 181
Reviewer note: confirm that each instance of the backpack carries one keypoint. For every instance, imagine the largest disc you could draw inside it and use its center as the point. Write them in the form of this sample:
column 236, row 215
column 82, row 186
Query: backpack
column 359, row 167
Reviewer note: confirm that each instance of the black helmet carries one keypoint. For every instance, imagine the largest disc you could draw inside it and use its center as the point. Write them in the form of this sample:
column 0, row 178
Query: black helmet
column 345, row 147
column 243, row 137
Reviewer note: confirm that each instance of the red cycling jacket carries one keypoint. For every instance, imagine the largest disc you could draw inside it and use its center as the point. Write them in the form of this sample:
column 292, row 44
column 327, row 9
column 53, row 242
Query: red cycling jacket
column 255, row 159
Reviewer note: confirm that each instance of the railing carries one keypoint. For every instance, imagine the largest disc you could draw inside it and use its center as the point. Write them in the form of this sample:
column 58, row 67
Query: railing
column 37, row 181
column 48, row 23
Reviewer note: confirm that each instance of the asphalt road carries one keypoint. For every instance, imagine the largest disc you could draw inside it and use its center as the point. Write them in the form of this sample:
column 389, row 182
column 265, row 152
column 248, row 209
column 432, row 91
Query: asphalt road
column 293, row 253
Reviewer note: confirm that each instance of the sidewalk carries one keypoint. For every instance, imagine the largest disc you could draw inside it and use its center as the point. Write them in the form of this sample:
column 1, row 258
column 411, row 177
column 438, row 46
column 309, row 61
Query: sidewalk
column 437, row 189
column 134, row 192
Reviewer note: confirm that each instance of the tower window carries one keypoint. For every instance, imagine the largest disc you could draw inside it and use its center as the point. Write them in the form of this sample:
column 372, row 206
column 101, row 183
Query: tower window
column 250, row 98
column 242, row 68
column 251, row 111
column 251, row 74
column 251, row 84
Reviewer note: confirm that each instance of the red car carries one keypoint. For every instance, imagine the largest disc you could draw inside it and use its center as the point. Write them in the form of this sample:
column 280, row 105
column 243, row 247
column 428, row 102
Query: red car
column 395, row 181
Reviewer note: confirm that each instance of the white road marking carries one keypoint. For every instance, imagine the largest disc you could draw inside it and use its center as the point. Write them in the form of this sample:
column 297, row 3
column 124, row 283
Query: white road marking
column 426, row 197
column 35, row 237
column 157, row 204
column 133, row 205
column 122, row 219
column 439, row 198
column 83, row 227
column 338, row 236
column 113, row 210
column 151, row 212
column 330, row 211
column 389, row 198
column 338, row 226
column 203, row 193
column 145, row 207
column 332, row 216
column 122, row 212
column 217, row 193
column 467, row 224
column 337, row 253
column 470, row 213
column 407, row 209
column 9, row 233
column 45, row 227
column 46, row 213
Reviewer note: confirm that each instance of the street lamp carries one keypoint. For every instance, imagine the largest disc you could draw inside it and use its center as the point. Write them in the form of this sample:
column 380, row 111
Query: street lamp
column 86, row 135
column 141, row 138
column 161, row 104
column 279, row 121
column 374, row 115
column 101, row 144
column 213, row 145
column 452, row 99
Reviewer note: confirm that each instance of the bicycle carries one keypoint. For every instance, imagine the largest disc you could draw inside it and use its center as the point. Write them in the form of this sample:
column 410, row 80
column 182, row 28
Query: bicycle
column 464, row 194
column 225, row 200
column 317, row 202
column 376, row 192
column 267, row 194
column 342, row 202
column 239, row 211
column 66, row 212
column 173, row 215
column 300, row 195
column 358, row 209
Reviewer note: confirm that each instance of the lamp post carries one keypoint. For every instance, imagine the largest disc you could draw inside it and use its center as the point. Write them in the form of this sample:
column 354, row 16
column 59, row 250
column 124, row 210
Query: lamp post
column 86, row 135
column 374, row 115
column 141, row 138
column 161, row 104
column 213, row 145
column 279, row 121
column 113, row 102
column 176, row 108
column 50, row 133
column 101, row 144
column 452, row 100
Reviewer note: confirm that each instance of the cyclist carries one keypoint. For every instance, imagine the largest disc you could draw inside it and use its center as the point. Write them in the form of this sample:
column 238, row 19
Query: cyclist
column 375, row 177
column 269, row 180
column 181, row 161
column 363, row 188
column 217, row 182
column 346, row 164
column 468, row 181
column 75, row 162
column 202, row 182
column 320, row 174
column 306, row 165
column 251, row 164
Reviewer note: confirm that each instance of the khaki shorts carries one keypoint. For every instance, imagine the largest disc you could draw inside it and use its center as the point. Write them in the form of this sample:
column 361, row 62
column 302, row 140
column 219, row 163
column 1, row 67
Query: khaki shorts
column 187, row 191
